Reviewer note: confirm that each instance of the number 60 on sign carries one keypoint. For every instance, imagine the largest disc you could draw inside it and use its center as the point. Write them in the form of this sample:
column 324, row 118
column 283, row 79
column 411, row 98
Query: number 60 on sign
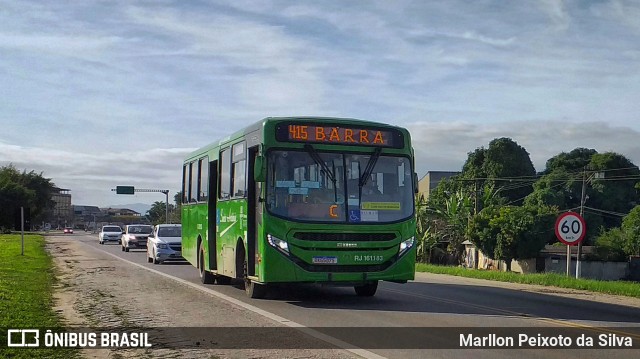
column 570, row 228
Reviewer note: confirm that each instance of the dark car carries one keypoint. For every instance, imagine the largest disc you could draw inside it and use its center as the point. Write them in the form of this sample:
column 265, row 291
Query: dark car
column 68, row 230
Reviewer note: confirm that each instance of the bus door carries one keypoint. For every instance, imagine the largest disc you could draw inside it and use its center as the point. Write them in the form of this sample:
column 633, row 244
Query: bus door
column 254, row 215
column 212, row 236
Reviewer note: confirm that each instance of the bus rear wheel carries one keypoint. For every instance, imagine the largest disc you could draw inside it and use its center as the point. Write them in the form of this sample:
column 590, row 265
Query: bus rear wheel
column 206, row 277
column 366, row 290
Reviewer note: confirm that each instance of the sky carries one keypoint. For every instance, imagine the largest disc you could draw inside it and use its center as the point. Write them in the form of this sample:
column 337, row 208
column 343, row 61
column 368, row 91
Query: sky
column 96, row 94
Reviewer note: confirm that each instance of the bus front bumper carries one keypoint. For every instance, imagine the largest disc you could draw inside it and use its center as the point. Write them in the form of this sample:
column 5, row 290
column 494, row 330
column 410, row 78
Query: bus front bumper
column 285, row 269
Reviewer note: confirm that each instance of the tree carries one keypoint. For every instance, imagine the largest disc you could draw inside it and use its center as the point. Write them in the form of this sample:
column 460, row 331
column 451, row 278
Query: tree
column 175, row 214
column 43, row 190
column 511, row 232
column 455, row 214
column 609, row 245
column 12, row 196
column 426, row 238
column 157, row 213
column 631, row 229
column 26, row 189
column 612, row 186
column 573, row 161
column 609, row 179
column 504, row 165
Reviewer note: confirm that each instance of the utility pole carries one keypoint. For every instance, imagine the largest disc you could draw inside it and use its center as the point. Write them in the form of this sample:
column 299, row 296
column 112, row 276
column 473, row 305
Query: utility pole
column 475, row 195
column 582, row 200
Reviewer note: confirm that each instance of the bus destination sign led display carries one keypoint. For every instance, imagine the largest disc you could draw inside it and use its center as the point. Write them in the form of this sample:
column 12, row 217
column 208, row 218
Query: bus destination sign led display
column 339, row 135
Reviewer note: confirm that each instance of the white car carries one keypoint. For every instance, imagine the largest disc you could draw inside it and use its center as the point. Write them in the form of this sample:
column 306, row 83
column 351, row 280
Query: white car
column 135, row 236
column 110, row 233
column 164, row 243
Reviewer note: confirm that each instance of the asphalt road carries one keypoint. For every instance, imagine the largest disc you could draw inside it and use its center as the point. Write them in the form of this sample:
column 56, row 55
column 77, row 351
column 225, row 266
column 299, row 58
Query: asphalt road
column 431, row 301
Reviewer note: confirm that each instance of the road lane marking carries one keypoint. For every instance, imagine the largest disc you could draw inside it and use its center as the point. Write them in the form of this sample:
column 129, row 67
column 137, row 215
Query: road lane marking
column 562, row 323
column 281, row 320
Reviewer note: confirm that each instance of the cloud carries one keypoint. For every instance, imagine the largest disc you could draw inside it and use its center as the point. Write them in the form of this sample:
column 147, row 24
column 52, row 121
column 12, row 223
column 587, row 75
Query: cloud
column 557, row 12
column 445, row 146
column 94, row 92
column 439, row 146
column 90, row 177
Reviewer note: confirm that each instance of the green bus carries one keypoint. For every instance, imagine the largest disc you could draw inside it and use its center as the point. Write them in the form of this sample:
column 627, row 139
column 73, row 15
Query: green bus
column 302, row 200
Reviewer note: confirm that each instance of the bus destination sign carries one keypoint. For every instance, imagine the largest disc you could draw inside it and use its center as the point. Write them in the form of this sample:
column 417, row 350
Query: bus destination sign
column 339, row 135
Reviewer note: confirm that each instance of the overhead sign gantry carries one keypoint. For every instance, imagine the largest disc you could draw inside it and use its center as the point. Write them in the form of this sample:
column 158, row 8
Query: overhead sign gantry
column 133, row 190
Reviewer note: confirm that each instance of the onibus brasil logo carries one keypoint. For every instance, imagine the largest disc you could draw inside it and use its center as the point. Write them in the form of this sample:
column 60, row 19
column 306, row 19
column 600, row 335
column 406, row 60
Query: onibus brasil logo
column 30, row 338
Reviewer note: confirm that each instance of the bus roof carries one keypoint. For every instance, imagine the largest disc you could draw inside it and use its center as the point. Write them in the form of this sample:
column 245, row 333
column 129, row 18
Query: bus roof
column 260, row 124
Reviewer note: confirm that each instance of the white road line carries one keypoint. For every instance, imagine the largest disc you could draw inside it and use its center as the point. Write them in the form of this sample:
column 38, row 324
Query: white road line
column 281, row 320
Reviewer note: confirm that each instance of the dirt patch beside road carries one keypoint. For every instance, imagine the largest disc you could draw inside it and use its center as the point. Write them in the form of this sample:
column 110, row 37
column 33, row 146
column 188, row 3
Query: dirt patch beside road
column 96, row 290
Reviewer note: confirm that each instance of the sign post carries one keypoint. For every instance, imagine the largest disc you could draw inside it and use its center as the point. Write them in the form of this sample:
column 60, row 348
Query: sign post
column 22, row 229
column 570, row 229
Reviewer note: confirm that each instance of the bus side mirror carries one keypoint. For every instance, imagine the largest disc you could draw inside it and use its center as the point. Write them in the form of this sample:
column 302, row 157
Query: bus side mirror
column 415, row 183
column 259, row 169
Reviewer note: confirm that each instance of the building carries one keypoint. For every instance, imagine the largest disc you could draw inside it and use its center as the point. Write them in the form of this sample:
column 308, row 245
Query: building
column 119, row 212
column 62, row 213
column 86, row 216
column 430, row 181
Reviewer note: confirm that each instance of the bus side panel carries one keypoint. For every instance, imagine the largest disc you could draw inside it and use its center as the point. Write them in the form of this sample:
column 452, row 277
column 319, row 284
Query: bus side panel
column 189, row 239
column 199, row 221
column 233, row 225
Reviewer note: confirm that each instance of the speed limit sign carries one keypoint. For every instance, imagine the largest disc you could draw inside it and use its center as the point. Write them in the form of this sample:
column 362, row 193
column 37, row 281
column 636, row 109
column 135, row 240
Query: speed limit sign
column 570, row 228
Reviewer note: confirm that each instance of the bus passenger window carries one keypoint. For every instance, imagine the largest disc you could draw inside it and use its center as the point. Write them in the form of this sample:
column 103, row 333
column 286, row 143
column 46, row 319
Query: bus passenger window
column 225, row 174
column 239, row 179
column 193, row 189
column 203, row 182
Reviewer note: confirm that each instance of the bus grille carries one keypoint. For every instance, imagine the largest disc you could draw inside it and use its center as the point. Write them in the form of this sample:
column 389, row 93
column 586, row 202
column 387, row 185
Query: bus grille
column 345, row 268
column 352, row 237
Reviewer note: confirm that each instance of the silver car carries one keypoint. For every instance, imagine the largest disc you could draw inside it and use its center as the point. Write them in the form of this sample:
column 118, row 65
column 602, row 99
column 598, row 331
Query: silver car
column 164, row 243
column 110, row 233
column 135, row 236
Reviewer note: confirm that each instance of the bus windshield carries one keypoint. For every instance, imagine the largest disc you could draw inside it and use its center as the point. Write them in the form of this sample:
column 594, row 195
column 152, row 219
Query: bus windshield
column 313, row 186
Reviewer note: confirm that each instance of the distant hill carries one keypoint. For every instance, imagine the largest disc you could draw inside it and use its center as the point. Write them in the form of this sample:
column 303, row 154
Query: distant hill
column 141, row 208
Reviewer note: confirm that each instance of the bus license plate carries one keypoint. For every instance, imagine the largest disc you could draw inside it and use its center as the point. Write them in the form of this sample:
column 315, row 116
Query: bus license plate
column 324, row 260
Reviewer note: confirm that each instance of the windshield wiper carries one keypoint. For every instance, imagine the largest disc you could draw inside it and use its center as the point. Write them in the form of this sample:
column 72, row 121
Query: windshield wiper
column 368, row 169
column 324, row 168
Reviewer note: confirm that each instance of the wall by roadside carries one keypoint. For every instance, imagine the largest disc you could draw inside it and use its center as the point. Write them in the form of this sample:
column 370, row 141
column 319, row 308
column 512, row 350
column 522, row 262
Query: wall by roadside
column 552, row 262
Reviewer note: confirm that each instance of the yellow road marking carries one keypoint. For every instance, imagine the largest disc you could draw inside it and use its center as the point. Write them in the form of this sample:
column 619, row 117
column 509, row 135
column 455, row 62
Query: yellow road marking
column 562, row 323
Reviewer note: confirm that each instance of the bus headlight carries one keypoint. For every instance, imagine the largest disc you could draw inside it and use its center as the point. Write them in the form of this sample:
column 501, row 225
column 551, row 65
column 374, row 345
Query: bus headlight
column 278, row 244
column 406, row 245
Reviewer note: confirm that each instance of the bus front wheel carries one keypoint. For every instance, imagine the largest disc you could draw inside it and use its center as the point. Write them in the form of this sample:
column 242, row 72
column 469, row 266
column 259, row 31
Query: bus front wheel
column 254, row 290
column 206, row 277
column 366, row 290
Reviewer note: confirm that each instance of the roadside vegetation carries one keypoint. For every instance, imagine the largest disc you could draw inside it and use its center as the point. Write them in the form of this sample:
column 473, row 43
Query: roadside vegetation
column 26, row 293
column 507, row 210
column 629, row 289
column 24, row 189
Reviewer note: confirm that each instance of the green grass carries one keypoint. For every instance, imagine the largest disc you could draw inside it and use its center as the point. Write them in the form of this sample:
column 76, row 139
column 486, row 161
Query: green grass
column 26, row 294
column 629, row 289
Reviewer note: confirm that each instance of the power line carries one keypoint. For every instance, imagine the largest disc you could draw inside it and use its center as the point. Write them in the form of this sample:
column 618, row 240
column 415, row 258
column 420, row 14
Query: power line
column 607, row 212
